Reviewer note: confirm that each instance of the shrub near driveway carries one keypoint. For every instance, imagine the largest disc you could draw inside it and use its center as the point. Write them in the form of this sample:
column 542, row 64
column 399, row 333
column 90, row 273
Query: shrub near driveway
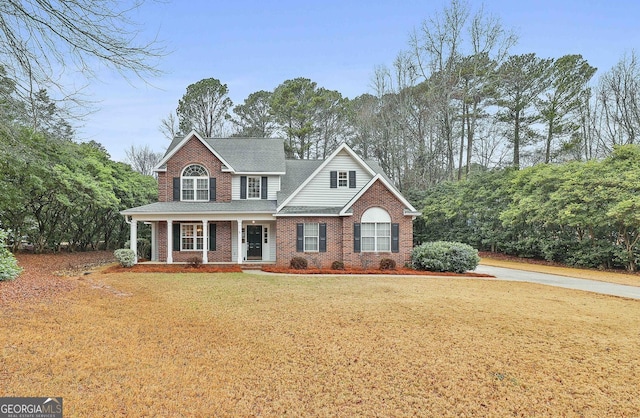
column 445, row 256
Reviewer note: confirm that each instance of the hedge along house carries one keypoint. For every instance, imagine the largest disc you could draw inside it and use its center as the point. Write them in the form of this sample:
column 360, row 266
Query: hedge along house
column 238, row 200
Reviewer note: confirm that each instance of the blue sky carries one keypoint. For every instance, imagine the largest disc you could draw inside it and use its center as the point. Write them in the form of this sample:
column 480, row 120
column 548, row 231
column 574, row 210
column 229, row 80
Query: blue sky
column 256, row 45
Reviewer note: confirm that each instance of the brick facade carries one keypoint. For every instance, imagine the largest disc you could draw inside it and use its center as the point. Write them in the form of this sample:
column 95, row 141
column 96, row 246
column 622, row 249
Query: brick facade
column 339, row 231
column 286, row 241
column 194, row 152
column 378, row 196
column 340, row 234
column 222, row 254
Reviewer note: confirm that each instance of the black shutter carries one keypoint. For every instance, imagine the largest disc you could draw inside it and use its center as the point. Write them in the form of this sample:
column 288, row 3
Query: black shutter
column 352, row 179
column 299, row 238
column 212, row 237
column 322, row 244
column 176, row 189
column 395, row 238
column 212, row 189
column 333, row 179
column 176, row 237
column 263, row 189
column 243, row 187
column 356, row 237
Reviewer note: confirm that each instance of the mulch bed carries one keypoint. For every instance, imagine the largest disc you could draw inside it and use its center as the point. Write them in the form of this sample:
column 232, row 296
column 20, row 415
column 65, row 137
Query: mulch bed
column 397, row 271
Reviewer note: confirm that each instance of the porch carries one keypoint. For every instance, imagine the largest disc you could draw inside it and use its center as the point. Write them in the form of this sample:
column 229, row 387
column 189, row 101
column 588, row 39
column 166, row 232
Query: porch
column 247, row 241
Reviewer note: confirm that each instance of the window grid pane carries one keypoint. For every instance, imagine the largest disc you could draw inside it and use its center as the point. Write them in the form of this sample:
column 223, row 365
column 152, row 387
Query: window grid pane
column 253, row 187
column 191, row 237
column 342, row 179
column 311, row 234
column 375, row 237
column 203, row 195
column 195, row 183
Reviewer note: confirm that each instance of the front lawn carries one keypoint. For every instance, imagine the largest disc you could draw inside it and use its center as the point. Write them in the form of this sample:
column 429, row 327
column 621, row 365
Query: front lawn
column 237, row 344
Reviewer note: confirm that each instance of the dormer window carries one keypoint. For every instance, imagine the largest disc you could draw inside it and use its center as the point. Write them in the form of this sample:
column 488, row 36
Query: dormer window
column 195, row 184
column 253, row 187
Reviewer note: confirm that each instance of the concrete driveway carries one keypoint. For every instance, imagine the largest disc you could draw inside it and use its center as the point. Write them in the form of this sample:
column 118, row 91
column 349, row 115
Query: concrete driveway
column 604, row 288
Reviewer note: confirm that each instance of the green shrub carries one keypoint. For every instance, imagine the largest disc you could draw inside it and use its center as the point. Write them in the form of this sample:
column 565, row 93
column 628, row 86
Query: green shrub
column 9, row 268
column 125, row 256
column 387, row 264
column 298, row 263
column 337, row 265
column 445, row 256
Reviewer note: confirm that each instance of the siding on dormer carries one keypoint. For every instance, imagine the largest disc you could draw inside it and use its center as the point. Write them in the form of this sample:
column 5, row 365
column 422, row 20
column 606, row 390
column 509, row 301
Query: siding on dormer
column 273, row 187
column 318, row 191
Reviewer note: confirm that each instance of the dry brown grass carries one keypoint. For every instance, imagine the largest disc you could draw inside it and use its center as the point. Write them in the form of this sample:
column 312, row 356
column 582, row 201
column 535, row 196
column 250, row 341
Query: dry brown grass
column 248, row 345
column 590, row 274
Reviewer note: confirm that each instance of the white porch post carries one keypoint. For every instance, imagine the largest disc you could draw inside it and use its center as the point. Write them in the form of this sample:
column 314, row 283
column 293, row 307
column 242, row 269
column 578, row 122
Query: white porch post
column 205, row 241
column 239, row 241
column 154, row 246
column 169, row 241
column 133, row 238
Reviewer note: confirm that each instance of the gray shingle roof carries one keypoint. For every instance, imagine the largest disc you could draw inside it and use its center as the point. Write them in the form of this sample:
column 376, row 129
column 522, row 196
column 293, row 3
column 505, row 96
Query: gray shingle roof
column 235, row 206
column 297, row 172
column 266, row 156
column 310, row 210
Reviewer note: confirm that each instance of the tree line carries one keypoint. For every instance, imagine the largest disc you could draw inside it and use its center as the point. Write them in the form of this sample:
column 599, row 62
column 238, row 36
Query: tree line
column 455, row 101
column 582, row 213
column 55, row 191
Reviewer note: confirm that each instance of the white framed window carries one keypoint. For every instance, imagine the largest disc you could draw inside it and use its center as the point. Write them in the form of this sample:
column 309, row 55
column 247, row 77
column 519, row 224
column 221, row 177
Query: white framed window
column 311, row 237
column 191, row 237
column 195, row 184
column 253, row 187
column 375, row 231
column 343, row 179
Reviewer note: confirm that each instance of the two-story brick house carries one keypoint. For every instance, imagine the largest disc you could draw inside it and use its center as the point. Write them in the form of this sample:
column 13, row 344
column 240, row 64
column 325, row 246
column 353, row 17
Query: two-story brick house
column 238, row 200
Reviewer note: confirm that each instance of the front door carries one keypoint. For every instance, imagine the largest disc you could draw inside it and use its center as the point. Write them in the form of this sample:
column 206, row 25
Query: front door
column 254, row 242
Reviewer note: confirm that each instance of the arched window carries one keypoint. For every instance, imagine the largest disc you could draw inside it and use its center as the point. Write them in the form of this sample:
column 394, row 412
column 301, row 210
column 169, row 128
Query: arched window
column 375, row 230
column 195, row 183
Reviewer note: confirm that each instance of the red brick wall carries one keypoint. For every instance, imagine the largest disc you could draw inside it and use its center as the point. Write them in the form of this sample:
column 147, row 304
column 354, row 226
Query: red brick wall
column 378, row 196
column 340, row 234
column 194, row 152
column 222, row 254
column 286, row 241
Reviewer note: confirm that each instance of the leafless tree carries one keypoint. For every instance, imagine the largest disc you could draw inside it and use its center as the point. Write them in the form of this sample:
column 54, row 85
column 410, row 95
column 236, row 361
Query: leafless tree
column 619, row 97
column 47, row 42
column 143, row 159
column 169, row 126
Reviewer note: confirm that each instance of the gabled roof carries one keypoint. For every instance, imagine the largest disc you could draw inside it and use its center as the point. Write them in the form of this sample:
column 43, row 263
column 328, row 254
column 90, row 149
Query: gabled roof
column 342, row 147
column 266, row 156
column 176, row 145
column 251, row 155
column 378, row 177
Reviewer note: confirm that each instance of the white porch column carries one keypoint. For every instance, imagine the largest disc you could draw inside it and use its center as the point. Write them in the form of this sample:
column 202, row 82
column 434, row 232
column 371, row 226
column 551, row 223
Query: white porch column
column 169, row 241
column 154, row 244
column 239, row 241
column 205, row 241
column 133, row 238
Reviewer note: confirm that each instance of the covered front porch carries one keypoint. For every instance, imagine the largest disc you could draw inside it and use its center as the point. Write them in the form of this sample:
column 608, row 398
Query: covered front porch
column 249, row 239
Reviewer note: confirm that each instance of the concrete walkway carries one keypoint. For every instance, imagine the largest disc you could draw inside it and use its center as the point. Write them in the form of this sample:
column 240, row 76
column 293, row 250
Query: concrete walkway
column 605, row 288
